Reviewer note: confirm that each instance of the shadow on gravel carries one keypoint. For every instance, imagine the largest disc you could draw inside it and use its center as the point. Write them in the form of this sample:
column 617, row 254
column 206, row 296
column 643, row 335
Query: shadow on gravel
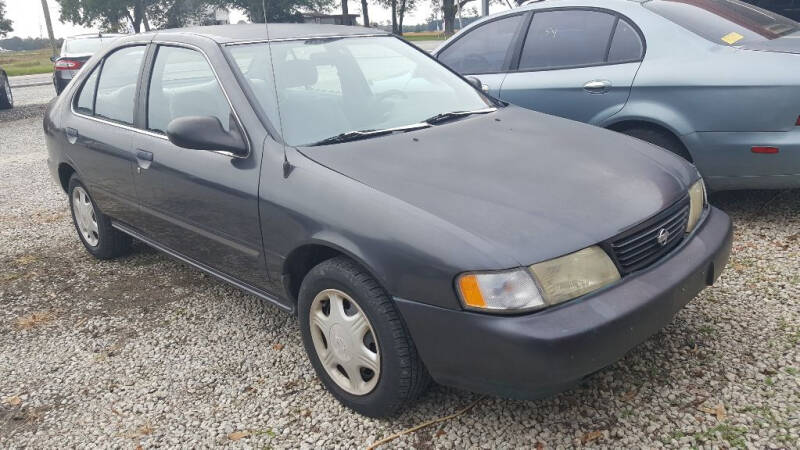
column 22, row 112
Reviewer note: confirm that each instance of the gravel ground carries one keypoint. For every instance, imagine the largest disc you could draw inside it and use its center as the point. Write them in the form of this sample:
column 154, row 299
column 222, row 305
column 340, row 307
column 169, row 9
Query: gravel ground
column 144, row 351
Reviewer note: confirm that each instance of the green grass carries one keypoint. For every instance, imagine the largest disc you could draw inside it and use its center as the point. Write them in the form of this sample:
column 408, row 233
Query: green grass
column 424, row 36
column 27, row 62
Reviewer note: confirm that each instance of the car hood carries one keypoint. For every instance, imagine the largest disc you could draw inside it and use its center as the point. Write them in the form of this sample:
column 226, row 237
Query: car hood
column 531, row 185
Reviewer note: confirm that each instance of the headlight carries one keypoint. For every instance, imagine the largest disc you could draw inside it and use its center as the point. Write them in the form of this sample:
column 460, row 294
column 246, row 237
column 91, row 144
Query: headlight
column 575, row 274
column 543, row 284
column 697, row 202
column 511, row 291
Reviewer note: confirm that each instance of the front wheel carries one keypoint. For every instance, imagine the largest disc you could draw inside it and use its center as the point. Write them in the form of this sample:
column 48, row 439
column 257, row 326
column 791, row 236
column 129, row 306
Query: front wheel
column 93, row 227
column 356, row 340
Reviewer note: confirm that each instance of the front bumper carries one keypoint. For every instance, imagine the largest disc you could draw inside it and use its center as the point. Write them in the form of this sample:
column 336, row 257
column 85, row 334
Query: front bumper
column 534, row 355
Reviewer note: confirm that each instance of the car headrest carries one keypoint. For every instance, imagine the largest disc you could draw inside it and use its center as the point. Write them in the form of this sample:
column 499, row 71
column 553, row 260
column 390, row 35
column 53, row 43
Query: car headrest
column 296, row 73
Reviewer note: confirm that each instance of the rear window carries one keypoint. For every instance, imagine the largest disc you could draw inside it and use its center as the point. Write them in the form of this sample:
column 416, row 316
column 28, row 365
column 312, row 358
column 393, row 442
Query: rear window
column 725, row 22
column 85, row 46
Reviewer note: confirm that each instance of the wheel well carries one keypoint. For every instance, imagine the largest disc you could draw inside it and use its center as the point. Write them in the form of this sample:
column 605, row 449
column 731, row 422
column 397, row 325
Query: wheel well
column 65, row 171
column 631, row 124
column 300, row 261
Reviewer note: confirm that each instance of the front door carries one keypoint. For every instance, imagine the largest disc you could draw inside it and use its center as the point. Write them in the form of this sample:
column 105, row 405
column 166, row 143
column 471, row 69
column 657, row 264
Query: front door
column 578, row 64
column 202, row 204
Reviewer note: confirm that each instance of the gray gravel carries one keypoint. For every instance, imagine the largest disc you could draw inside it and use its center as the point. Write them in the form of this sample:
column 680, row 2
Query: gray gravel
column 146, row 351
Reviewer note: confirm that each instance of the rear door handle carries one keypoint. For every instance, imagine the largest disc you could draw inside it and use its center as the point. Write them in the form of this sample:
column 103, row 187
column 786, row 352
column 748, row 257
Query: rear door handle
column 72, row 134
column 143, row 159
column 597, row 86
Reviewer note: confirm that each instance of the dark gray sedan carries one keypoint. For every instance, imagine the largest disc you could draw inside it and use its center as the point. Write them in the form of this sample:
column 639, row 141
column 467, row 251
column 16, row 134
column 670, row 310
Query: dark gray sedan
column 417, row 228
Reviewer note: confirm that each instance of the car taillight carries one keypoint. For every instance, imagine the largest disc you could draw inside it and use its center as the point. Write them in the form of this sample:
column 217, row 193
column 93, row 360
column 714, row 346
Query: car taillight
column 68, row 64
column 798, row 121
column 765, row 150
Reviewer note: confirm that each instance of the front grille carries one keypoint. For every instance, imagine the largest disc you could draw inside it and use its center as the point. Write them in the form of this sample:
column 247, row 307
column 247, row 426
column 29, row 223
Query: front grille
column 639, row 247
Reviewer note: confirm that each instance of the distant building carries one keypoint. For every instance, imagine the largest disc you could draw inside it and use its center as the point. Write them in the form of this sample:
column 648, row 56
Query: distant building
column 334, row 19
column 211, row 16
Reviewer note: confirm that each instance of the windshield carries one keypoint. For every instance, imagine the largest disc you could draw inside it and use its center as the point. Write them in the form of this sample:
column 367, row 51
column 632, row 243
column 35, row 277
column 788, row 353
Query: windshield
column 725, row 22
column 326, row 87
column 86, row 46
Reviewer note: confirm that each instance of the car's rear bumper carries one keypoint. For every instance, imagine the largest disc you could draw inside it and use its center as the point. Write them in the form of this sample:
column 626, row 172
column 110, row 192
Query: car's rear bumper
column 538, row 354
column 727, row 161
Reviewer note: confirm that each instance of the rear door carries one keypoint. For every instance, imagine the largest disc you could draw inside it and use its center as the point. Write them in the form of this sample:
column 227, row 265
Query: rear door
column 100, row 132
column 575, row 63
column 202, row 204
column 485, row 51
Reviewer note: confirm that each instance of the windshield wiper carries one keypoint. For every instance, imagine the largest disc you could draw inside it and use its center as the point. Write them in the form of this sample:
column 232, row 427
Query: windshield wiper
column 444, row 117
column 349, row 136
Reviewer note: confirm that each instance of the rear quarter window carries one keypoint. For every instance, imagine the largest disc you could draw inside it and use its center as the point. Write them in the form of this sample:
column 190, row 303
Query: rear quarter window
column 724, row 22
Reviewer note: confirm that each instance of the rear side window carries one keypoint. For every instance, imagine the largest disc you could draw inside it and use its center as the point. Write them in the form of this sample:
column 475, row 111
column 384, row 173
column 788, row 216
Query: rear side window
column 183, row 84
column 484, row 49
column 725, row 22
column 625, row 45
column 566, row 38
column 116, row 88
column 85, row 102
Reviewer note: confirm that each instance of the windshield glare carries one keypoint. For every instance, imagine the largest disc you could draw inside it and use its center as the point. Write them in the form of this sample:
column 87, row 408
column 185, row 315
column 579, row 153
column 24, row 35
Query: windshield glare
column 331, row 86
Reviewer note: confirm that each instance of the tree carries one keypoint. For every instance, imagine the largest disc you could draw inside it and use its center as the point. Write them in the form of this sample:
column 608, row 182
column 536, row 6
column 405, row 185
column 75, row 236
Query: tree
column 365, row 12
column 110, row 15
column 278, row 10
column 5, row 24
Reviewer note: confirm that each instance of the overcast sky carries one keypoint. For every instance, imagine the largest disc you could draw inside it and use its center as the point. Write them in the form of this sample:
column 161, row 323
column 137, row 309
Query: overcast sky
column 28, row 17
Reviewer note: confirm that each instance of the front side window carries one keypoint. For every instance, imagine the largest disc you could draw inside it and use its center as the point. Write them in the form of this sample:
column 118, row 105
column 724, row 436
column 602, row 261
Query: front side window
column 483, row 49
column 325, row 87
column 116, row 88
column 183, row 84
column 566, row 38
column 725, row 22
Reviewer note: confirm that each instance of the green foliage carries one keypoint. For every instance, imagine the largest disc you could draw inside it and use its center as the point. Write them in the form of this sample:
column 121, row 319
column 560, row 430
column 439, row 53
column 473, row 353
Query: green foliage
column 279, row 10
column 5, row 24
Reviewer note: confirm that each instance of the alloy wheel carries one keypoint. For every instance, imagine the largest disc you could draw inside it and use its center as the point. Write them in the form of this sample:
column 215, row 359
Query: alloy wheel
column 85, row 217
column 345, row 342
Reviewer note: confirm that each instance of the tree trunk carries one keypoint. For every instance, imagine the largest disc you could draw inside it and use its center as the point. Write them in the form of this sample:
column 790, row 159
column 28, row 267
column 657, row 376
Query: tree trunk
column 345, row 16
column 394, row 16
column 145, row 22
column 365, row 12
column 400, row 17
column 448, row 16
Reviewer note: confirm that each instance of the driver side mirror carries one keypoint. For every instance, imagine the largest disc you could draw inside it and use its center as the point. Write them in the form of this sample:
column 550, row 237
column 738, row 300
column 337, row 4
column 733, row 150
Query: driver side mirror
column 53, row 58
column 205, row 133
column 478, row 84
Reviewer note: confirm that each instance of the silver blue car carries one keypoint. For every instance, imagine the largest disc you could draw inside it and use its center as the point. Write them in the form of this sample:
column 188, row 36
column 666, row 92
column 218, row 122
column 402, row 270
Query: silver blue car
column 715, row 81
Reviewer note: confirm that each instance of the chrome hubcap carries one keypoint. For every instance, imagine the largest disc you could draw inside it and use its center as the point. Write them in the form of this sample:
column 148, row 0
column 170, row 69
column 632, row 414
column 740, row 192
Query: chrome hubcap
column 85, row 218
column 345, row 342
column 8, row 90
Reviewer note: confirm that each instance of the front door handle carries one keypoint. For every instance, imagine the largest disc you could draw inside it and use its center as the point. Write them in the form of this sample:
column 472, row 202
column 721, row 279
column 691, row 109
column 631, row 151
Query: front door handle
column 597, row 86
column 72, row 134
column 143, row 159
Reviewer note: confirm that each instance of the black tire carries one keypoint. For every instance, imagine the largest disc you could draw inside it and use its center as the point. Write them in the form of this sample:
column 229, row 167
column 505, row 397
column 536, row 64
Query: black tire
column 660, row 138
column 111, row 242
column 402, row 375
column 6, row 97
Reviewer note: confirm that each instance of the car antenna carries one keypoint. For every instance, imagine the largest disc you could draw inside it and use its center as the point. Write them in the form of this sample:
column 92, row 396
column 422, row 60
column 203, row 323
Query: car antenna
column 287, row 166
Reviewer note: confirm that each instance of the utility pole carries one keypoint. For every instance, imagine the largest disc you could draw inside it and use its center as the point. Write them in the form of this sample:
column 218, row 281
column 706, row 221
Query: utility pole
column 49, row 27
column 484, row 7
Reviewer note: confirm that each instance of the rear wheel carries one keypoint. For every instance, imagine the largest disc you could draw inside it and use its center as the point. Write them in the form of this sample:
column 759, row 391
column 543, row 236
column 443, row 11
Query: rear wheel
column 93, row 227
column 660, row 138
column 6, row 97
column 356, row 340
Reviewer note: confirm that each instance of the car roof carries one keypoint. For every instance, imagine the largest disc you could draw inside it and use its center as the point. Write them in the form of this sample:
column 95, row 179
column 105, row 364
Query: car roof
column 258, row 32
column 95, row 36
